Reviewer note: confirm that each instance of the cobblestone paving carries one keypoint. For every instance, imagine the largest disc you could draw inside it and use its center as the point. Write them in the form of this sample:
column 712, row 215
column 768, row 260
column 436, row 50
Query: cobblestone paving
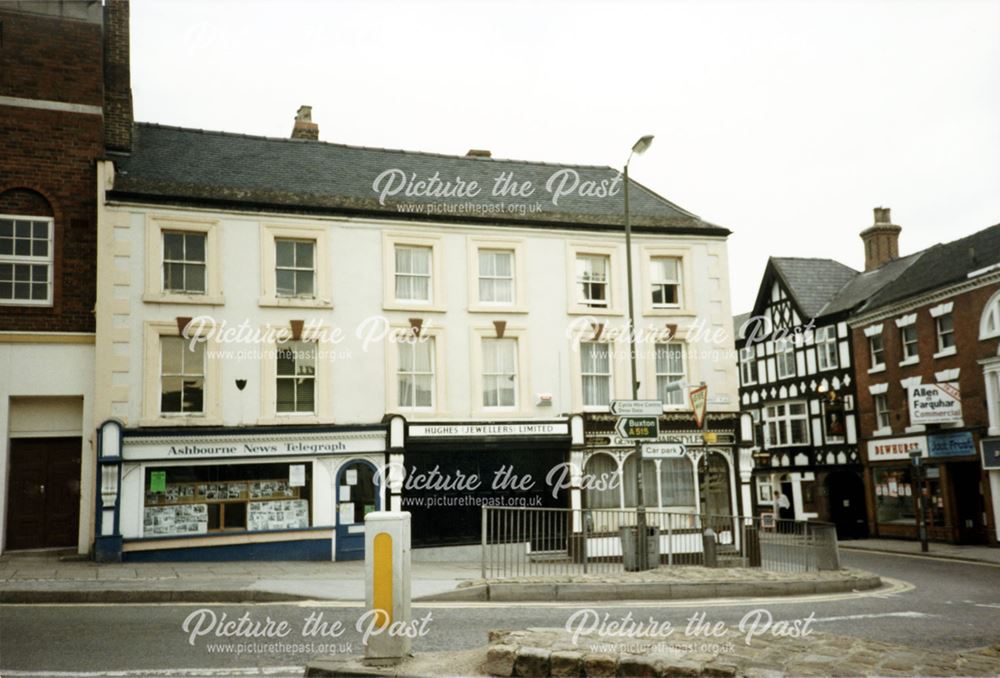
column 680, row 574
column 553, row 652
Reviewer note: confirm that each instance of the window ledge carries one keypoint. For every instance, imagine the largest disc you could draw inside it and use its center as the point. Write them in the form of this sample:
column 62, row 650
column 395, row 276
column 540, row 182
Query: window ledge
column 912, row 360
column 945, row 352
column 193, row 299
column 282, row 302
column 919, row 428
column 181, row 420
column 669, row 312
column 413, row 306
column 499, row 308
column 292, row 419
column 882, row 432
column 877, row 369
column 583, row 310
column 993, row 431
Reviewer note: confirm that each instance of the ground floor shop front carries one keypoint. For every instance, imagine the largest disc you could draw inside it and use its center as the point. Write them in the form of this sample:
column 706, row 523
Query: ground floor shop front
column 950, row 476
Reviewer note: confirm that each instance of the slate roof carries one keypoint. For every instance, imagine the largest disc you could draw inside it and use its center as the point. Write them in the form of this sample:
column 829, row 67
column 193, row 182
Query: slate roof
column 813, row 282
column 738, row 321
column 941, row 265
column 865, row 285
column 186, row 166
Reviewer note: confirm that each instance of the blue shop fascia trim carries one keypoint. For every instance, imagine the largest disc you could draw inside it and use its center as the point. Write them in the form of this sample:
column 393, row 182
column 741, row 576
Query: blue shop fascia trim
column 293, row 549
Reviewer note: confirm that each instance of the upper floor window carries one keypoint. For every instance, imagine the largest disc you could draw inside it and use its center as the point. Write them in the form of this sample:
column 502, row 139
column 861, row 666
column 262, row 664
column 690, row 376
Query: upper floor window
column 496, row 276
column 592, row 277
column 784, row 351
column 670, row 373
column 413, row 273
column 184, row 263
column 826, row 347
column 989, row 325
column 295, row 268
column 945, row 332
column 786, row 424
column 296, row 377
column 882, row 421
column 665, row 278
column 876, row 349
column 992, row 376
column 748, row 366
column 595, row 368
column 25, row 260
column 500, row 373
column 182, row 376
column 415, row 376
column 908, row 342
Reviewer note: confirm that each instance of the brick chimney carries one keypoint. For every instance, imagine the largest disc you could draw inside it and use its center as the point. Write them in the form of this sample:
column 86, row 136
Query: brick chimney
column 117, row 77
column 305, row 128
column 881, row 240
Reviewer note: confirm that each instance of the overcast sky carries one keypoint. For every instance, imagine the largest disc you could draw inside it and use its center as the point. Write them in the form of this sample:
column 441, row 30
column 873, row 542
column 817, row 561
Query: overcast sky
column 783, row 121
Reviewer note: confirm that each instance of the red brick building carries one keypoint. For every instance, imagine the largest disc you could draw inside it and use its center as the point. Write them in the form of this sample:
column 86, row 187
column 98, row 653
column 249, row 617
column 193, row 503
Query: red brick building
column 64, row 100
column 927, row 350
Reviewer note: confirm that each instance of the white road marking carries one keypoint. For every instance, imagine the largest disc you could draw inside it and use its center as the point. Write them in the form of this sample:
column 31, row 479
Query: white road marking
column 164, row 673
column 878, row 615
column 995, row 606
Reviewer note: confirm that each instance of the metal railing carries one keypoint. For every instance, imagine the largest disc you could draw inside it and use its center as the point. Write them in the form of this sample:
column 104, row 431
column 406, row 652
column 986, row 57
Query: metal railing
column 524, row 542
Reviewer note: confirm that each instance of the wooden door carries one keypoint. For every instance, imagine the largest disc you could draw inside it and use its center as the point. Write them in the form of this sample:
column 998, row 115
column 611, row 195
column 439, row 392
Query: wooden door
column 43, row 505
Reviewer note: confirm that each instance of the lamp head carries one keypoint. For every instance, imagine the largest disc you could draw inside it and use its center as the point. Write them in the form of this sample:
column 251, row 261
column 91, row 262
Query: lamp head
column 642, row 145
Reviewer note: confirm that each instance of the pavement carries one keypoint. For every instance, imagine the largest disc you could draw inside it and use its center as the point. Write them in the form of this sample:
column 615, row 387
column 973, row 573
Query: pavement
column 972, row 554
column 45, row 578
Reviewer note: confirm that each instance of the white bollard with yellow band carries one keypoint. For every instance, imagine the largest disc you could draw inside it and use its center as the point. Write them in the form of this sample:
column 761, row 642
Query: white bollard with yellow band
column 387, row 585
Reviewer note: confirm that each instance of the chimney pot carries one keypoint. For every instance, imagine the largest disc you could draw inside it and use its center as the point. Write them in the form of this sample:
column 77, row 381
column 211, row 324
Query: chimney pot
column 881, row 240
column 304, row 127
column 478, row 153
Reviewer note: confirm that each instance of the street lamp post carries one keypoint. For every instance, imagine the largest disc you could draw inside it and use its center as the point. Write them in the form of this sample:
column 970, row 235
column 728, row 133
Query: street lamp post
column 638, row 148
column 918, row 486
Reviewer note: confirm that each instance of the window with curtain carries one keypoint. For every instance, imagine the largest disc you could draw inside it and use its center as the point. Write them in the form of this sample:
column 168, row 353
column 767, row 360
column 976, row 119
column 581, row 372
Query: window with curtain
column 676, row 483
column 499, row 372
column 296, row 377
column 669, row 372
column 182, row 376
column 602, row 491
column 665, row 278
column 295, row 268
column 416, row 373
column 413, row 273
column 595, row 368
column 592, row 280
column 496, row 276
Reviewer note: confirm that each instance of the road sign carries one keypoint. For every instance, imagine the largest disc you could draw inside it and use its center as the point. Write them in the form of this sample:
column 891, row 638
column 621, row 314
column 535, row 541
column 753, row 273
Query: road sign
column 699, row 404
column 636, row 408
column 638, row 428
column 662, row 450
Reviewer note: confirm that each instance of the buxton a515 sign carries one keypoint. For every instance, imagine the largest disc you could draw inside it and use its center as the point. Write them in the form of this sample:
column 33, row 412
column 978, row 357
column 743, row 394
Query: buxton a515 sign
column 638, row 428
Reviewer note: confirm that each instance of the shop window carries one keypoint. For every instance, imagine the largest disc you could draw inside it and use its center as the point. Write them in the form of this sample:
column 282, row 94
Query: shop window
column 826, row 347
column 296, row 378
column 670, row 373
column 184, row 263
column 894, row 503
column 182, row 376
column 189, row 500
column 631, row 482
column 676, row 483
column 595, row 369
column 602, row 490
column 26, row 260
column 295, row 268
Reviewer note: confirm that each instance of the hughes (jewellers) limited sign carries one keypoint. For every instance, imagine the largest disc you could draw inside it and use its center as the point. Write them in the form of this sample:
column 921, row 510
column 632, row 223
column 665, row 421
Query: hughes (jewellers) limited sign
column 935, row 403
column 139, row 449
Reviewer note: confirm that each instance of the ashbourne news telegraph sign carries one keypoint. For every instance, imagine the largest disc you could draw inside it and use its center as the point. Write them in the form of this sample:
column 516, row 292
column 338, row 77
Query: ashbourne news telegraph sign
column 935, row 403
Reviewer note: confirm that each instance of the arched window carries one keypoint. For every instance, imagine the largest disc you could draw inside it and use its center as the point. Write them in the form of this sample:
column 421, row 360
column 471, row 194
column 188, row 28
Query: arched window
column 989, row 325
column 676, row 483
column 26, row 248
column 602, row 482
column 714, row 481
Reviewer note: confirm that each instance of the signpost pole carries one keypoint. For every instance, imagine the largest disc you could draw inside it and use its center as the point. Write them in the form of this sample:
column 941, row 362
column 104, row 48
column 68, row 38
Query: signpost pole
column 918, row 481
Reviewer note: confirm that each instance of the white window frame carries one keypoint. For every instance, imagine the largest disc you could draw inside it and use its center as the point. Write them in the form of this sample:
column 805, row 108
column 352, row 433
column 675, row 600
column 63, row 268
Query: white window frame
column 153, row 331
column 883, row 415
column 399, row 334
column 185, row 262
column 909, row 358
column 827, row 352
column 435, row 287
column 991, row 376
column 783, row 420
column 682, row 345
column 410, row 346
column 514, row 245
column 186, row 348
column 943, row 350
column 522, row 400
column 322, row 294
column 295, row 346
column 156, row 226
column 990, row 317
column 592, row 282
column 748, row 361
column 585, row 249
column 685, row 305
column 489, row 371
column 295, row 267
column 610, row 375
column 15, row 260
column 656, row 283
column 876, row 365
column 784, row 352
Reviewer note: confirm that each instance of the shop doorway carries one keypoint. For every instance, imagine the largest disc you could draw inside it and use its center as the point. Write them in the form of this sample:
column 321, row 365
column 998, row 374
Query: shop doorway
column 715, row 489
column 43, row 498
column 845, row 491
column 357, row 495
column 966, row 484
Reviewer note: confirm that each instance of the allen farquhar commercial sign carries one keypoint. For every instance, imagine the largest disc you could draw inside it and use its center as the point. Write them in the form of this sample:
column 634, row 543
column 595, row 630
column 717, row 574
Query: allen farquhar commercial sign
column 935, row 403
